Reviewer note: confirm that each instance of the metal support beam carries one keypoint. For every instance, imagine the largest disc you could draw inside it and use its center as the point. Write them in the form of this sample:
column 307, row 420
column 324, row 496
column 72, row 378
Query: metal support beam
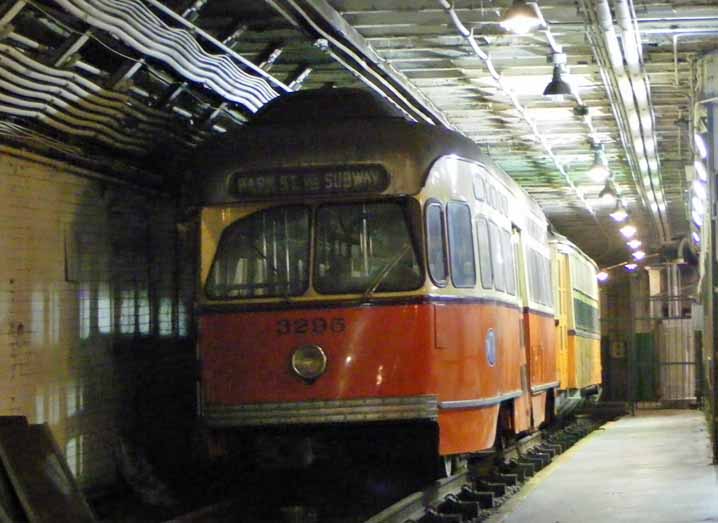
column 65, row 52
column 124, row 74
column 711, row 344
column 271, row 58
column 321, row 21
column 299, row 80
column 12, row 12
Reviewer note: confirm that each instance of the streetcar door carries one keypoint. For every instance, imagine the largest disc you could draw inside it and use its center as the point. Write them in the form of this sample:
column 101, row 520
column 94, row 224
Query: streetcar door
column 521, row 289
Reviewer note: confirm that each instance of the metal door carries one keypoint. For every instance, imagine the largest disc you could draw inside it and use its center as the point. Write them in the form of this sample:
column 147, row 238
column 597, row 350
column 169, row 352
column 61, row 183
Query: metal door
column 663, row 353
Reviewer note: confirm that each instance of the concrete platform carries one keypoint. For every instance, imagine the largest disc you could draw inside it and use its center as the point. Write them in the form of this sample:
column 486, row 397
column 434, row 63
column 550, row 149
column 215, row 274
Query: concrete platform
column 655, row 467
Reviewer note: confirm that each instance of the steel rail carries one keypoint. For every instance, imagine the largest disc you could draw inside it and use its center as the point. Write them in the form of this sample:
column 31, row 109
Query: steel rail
column 414, row 507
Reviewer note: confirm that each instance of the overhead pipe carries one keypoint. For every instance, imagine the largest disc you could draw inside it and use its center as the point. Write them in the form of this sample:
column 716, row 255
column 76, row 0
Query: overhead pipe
column 523, row 111
column 635, row 100
column 95, row 102
column 345, row 45
column 142, row 30
column 642, row 91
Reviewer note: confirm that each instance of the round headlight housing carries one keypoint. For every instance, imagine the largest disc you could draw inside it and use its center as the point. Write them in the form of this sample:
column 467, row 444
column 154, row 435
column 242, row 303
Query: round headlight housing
column 309, row 362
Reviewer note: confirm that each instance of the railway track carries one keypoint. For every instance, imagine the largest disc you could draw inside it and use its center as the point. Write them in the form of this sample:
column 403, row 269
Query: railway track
column 467, row 497
column 471, row 495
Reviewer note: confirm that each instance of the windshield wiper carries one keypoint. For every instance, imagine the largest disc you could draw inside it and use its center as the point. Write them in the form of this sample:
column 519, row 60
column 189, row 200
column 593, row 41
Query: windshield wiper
column 384, row 272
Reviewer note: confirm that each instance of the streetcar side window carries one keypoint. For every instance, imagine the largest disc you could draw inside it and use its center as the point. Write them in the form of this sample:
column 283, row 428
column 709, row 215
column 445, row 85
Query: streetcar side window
column 461, row 245
column 487, row 277
column 497, row 258
column 436, row 244
column 479, row 187
column 508, row 261
column 540, row 278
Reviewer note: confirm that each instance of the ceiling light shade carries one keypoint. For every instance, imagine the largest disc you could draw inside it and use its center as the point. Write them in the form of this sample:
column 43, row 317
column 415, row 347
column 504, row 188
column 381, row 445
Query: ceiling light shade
column 619, row 214
column 607, row 194
column 599, row 170
column 602, row 276
column 630, row 267
column 697, row 218
column 628, row 231
column 696, row 237
column 639, row 255
column 634, row 244
column 698, row 205
column 701, row 172
column 520, row 18
column 700, row 147
column 557, row 86
column 700, row 190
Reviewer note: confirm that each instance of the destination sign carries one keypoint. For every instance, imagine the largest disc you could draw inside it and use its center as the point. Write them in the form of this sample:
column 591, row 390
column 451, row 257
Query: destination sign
column 312, row 181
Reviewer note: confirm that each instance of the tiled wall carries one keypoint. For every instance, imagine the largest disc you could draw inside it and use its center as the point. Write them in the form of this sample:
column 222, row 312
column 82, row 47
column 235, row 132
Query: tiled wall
column 95, row 327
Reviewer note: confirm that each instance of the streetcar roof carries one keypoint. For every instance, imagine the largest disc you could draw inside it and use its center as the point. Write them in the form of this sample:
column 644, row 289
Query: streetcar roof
column 333, row 128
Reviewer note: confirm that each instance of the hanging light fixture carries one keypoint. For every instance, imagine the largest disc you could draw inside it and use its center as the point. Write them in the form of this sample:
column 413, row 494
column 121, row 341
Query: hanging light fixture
column 602, row 276
column 619, row 214
column 700, row 146
column 521, row 17
column 639, row 255
column 696, row 237
column 699, row 188
column 700, row 169
column 634, row 244
column 557, row 87
column 630, row 267
column 608, row 193
column 599, row 170
column 628, row 231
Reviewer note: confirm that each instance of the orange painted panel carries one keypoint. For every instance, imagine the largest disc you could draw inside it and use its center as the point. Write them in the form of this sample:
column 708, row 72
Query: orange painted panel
column 466, row 430
column 522, row 413
column 463, row 363
column 538, row 404
column 540, row 340
column 371, row 351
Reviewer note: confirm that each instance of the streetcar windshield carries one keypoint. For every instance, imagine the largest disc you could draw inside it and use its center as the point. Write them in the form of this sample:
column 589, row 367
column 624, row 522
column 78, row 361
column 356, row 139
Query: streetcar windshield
column 265, row 254
column 365, row 247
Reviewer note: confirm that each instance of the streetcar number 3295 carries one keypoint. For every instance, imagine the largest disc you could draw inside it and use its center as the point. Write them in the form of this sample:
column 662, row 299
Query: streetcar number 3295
column 311, row 326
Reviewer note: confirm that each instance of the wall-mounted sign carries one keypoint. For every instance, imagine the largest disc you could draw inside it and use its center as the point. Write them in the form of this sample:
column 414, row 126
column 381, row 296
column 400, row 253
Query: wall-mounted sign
column 618, row 349
column 311, row 181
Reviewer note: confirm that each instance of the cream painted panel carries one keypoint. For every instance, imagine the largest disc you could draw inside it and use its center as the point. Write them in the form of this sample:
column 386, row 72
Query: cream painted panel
column 90, row 274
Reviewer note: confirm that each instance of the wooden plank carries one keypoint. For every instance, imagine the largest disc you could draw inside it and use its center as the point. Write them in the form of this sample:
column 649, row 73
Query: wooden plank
column 10, row 510
column 41, row 478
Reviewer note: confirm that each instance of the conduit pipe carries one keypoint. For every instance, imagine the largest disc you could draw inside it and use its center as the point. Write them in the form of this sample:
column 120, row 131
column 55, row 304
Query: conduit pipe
column 142, row 30
column 79, row 96
column 635, row 100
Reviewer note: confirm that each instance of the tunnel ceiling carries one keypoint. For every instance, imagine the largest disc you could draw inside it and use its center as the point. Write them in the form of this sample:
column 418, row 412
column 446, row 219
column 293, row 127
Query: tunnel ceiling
column 129, row 87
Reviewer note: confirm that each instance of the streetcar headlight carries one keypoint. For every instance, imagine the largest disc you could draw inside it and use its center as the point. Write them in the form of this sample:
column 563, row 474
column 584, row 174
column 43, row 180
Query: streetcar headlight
column 309, row 362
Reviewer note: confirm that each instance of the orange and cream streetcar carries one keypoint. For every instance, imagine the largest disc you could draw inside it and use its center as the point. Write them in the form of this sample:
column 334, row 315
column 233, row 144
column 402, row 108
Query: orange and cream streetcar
column 368, row 284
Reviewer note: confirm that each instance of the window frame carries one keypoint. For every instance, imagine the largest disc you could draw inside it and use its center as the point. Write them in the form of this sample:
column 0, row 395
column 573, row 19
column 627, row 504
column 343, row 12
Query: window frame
column 412, row 223
column 433, row 202
column 308, row 283
column 493, row 226
column 482, row 219
column 471, row 236
column 509, row 261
